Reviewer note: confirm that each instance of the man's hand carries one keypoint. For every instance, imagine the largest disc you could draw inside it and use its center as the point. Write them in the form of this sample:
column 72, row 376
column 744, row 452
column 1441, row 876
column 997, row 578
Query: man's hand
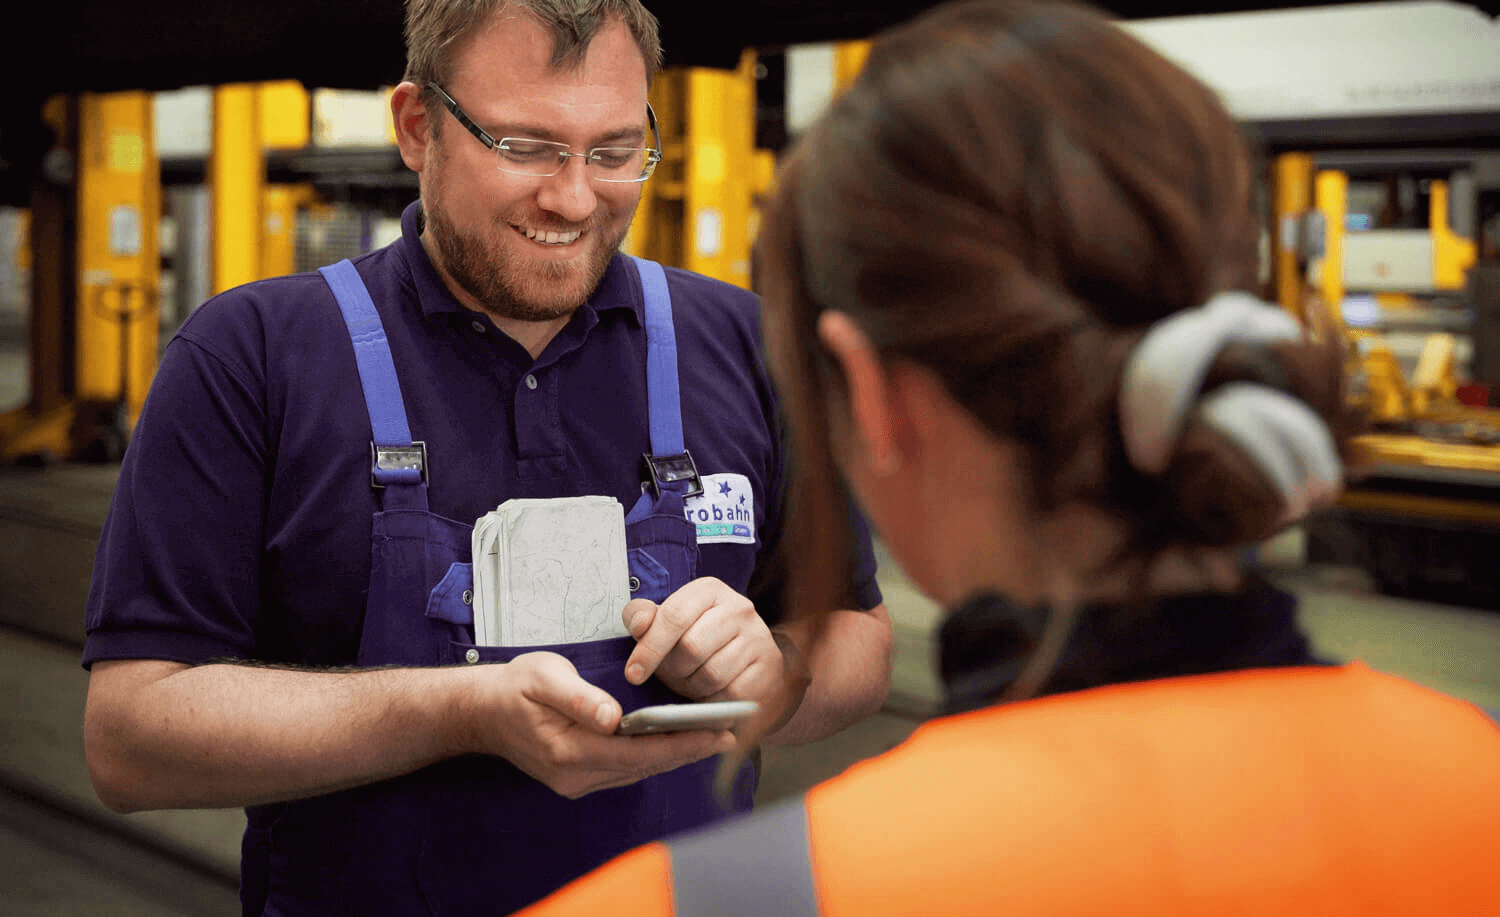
column 165, row 735
column 558, row 728
column 707, row 642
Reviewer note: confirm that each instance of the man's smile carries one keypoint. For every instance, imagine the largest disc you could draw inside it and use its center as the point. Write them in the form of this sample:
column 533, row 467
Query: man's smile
column 549, row 237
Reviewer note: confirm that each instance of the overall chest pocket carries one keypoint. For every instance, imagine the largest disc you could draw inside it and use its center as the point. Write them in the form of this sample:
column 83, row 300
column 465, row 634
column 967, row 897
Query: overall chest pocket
column 662, row 553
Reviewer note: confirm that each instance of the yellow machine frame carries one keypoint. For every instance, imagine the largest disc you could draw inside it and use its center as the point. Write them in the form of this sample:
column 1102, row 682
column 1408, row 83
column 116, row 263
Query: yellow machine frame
column 96, row 264
column 1390, row 397
column 700, row 210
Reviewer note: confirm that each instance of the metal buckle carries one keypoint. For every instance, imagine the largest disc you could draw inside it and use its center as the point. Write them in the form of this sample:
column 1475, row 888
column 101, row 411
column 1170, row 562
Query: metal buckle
column 397, row 458
column 669, row 469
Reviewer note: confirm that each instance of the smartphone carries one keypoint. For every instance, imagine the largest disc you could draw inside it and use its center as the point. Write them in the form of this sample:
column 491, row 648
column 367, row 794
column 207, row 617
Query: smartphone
column 715, row 715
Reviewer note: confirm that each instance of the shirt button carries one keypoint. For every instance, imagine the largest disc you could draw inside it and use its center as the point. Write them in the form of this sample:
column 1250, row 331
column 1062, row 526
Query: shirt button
column 468, row 596
column 531, row 382
column 479, row 326
column 472, row 656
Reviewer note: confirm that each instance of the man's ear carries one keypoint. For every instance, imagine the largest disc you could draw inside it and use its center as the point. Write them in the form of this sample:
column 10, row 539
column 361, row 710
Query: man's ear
column 871, row 421
column 413, row 126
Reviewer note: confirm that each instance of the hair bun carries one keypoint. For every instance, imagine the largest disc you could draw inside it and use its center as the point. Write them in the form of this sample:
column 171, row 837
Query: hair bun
column 1260, row 458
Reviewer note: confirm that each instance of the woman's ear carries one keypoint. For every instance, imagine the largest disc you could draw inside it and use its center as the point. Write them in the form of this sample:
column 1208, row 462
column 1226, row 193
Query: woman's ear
column 869, row 388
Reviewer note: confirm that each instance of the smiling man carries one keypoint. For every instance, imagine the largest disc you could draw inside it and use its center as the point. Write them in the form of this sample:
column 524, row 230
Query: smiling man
column 528, row 251
column 282, row 608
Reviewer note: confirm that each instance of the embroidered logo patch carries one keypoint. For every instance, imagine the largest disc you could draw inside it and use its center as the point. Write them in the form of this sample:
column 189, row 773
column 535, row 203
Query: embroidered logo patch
column 725, row 512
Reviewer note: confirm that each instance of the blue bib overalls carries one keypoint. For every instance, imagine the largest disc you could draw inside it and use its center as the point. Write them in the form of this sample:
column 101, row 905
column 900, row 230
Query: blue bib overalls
column 475, row 835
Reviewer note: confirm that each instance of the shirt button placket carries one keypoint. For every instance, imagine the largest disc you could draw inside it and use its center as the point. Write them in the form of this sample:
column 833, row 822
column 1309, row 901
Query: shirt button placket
column 538, row 431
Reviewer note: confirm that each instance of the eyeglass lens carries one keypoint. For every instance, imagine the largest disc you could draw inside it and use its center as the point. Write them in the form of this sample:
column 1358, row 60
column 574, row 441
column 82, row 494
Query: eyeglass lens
column 544, row 157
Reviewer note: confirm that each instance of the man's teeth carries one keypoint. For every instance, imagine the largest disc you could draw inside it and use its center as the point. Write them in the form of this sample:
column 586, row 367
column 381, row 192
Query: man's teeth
column 551, row 238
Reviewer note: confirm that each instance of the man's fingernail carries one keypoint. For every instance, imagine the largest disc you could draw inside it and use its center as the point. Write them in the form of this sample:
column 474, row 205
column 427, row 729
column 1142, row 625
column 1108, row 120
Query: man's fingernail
column 601, row 714
column 635, row 673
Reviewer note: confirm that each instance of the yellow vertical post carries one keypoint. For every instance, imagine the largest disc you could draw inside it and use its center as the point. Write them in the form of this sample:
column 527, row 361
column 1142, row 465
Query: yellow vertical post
column 1291, row 189
column 849, row 59
column 119, row 264
column 285, row 111
column 1330, row 197
column 1452, row 254
column 236, row 175
column 720, row 171
column 278, row 241
column 656, row 230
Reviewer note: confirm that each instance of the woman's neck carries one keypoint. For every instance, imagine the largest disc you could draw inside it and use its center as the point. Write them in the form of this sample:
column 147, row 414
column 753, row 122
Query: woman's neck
column 1072, row 557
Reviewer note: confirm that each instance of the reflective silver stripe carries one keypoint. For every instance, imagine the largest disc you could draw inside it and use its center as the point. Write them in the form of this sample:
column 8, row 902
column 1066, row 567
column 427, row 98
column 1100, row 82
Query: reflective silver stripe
column 759, row 865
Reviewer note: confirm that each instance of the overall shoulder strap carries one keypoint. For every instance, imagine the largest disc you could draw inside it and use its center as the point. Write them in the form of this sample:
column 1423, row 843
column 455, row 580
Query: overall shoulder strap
column 670, row 465
column 395, row 458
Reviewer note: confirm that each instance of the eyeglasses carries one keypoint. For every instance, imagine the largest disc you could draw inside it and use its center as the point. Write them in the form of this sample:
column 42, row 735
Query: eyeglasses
column 542, row 158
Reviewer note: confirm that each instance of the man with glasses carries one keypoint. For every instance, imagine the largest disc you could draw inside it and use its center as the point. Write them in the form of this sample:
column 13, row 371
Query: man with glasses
column 282, row 608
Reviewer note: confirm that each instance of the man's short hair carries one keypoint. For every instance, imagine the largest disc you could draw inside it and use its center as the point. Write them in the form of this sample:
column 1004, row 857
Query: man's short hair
column 435, row 29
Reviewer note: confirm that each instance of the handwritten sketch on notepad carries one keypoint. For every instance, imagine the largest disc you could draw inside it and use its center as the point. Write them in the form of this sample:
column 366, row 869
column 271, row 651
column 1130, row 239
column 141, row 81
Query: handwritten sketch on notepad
column 560, row 571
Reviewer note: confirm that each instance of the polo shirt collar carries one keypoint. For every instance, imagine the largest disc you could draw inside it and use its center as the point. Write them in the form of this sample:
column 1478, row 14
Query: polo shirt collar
column 619, row 289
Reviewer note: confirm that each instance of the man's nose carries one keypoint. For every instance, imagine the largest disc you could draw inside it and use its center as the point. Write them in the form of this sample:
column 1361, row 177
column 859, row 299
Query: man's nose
column 570, row 193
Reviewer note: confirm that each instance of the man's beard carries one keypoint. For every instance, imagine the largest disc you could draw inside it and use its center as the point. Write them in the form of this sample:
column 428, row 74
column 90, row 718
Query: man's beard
column 500, row 285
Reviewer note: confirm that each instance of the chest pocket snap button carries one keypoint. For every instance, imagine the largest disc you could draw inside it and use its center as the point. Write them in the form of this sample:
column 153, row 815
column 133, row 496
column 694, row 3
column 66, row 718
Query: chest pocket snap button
column 635, row 584
column 472, row 656
column 468, row 596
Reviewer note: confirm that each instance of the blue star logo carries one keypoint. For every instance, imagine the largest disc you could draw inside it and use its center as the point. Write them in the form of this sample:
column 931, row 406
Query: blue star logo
column 724, row 488
column 742, row 499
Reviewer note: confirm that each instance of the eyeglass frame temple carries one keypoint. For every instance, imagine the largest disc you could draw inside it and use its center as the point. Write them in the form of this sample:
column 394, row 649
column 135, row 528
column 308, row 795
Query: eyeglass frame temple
column 483, row 136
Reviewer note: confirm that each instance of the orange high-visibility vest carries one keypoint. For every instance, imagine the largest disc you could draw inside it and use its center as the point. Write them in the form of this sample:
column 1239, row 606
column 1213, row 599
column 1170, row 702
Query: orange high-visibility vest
column 1278, row 791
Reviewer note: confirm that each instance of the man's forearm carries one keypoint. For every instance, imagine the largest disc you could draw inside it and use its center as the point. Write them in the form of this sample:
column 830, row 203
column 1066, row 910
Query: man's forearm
column 851, row 676
column 163, row 735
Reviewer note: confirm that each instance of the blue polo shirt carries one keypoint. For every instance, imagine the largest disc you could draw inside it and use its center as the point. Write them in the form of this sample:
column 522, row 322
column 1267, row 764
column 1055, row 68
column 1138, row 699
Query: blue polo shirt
column 241, row 523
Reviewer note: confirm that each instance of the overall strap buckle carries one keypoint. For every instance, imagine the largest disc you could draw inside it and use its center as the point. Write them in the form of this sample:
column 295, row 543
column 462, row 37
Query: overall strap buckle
column 398, row 464
column 672, row 469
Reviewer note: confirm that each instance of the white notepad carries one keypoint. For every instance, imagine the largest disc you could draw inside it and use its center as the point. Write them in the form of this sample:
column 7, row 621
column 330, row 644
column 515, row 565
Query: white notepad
column 550, row 571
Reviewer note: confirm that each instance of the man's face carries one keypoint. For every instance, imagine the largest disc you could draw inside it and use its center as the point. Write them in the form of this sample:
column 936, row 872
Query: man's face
column 488, row 227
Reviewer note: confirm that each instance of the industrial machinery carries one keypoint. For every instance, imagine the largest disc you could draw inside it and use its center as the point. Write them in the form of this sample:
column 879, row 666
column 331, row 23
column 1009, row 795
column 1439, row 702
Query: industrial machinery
column 1398, row 251
column 279, row 183
column 92, row 338
column 97, row 279
column 1381, row 125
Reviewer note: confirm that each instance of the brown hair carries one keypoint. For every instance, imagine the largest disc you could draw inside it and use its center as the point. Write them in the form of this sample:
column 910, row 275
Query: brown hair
column 1009, row 195
column 435, row 28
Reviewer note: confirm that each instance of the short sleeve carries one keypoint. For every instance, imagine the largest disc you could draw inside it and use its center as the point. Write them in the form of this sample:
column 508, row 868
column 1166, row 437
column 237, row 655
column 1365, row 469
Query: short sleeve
column 176, row 573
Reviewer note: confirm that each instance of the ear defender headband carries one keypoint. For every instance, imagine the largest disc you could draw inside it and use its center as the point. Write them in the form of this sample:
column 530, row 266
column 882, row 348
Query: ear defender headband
column 1284, row 437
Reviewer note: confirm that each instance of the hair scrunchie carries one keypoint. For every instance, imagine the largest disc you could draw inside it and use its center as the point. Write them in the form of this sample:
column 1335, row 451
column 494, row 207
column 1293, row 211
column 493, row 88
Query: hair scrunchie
column 1280, row 433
